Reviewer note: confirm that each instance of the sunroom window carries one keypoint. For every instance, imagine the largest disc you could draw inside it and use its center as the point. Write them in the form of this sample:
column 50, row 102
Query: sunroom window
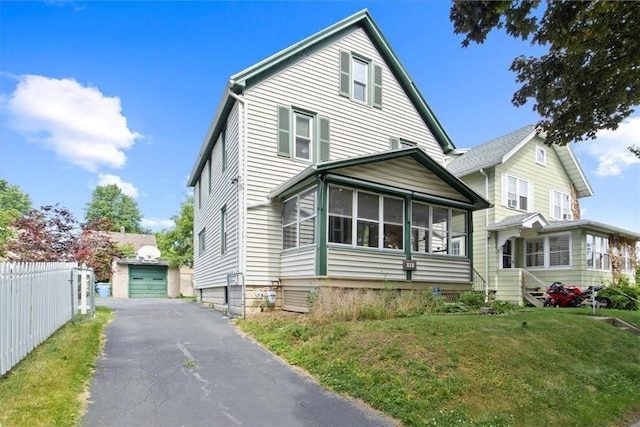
column 299, row 220
column 597, row 253
column 548, row 252
column 378, row 221
column 438, row 229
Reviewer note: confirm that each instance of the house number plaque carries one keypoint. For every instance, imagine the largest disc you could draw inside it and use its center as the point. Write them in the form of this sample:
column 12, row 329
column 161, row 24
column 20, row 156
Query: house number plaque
column 409, row 264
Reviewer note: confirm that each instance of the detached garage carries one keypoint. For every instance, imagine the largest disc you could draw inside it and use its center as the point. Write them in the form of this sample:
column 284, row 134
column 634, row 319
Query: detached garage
column 147, row 281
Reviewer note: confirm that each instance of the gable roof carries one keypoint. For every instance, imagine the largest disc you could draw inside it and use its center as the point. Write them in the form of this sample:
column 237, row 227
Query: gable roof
column 256, row 73
column 134, row 239
column 476, row 201
column 499, row 150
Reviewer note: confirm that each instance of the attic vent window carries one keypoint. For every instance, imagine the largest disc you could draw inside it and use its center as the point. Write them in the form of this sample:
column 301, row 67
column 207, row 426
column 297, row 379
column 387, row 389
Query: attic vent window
column 541, row 156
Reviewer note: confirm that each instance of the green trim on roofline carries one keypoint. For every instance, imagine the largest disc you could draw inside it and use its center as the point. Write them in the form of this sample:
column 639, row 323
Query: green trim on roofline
column 475, row 200
column 277, row 62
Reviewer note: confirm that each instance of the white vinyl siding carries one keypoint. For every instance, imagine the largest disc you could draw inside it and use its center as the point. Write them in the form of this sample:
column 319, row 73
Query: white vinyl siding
column 356, row 264
column 404, row 173
column 441, row 269
column 212, row 268
column 311, row 83
column 298, row 263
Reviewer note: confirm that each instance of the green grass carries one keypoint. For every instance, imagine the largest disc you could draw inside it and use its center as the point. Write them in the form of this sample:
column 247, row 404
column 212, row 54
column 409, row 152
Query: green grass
column 49, row 386
column 558, row 368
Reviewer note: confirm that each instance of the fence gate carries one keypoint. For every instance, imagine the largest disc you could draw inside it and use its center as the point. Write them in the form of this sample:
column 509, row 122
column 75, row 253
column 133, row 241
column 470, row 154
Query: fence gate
column 235, row 295
column 83, row 292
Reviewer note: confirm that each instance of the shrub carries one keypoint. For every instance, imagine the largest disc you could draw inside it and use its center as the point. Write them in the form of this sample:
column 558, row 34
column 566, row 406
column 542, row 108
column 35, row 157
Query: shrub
column 620, row 301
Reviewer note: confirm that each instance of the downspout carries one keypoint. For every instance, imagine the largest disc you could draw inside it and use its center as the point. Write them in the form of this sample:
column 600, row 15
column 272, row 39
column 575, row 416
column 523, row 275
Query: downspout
column 486, row 236
column 242, row 183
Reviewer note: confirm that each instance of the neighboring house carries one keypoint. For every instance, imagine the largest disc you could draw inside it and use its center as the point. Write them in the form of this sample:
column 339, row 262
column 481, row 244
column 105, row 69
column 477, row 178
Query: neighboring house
column 533, row 234
column 146, row 275
column 323, row 166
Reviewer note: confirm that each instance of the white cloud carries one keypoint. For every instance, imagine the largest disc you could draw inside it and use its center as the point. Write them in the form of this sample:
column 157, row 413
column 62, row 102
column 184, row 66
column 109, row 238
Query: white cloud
column 610, row 148
column 126, row 187
column 79, row 123
column 156, row 223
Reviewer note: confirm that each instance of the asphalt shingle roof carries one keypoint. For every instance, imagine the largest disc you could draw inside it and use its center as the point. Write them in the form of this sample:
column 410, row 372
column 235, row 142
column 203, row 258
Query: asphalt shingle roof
column 488, row 154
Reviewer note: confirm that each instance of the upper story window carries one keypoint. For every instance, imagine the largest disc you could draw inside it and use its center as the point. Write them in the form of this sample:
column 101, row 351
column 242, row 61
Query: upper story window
column 303, row 135
column 303, row 146
column 516, row 193
column 299, row 220
column 378, row 221
column 360, row 79
column 597, row 253
column 541, row 155
column 560, row 205
column 223, row 150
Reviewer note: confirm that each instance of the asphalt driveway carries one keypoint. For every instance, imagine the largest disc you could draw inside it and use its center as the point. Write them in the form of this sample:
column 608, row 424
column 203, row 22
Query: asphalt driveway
column 179, row 363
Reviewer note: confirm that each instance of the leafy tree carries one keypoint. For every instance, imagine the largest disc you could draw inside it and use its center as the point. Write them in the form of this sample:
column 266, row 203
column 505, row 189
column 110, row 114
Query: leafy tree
column 176, row 243
column 96, row 249
column 13, row 204
column 52, row 233
column 48, row 234
column 590, row 77
column 12, row 198
column 109, row 201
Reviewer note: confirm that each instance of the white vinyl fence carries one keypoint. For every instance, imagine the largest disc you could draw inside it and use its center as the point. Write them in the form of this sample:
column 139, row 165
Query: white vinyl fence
column 36, row 299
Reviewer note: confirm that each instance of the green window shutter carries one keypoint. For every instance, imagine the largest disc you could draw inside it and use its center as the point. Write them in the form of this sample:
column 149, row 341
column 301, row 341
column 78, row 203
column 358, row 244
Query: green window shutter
column 377, row 86
column 223, row 148
column 345, row 73
column 394, row 143
column 323, row 139
column 284, row 131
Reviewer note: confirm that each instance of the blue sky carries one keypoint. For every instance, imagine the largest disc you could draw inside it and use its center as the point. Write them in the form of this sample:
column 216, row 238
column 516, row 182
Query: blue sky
column 95, row 93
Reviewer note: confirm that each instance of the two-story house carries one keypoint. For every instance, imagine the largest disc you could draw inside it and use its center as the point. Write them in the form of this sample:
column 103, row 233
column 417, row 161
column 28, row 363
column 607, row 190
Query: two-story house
column 323, row 166
column 533, row 234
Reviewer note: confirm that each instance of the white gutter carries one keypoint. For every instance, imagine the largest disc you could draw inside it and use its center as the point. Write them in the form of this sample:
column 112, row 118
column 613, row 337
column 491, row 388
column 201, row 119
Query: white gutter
column 486, row 236
column 242, row 184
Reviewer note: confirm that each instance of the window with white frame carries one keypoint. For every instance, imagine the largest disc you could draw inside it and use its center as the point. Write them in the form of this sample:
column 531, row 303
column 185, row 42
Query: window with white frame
column 627, row 260
column 299, row 220
column 597, row 253
column 201, row 241
column 516, row 193
column 561, row 205
column 340, row 215
column 223, row 230
column 541, row 155
column 360, row 77
column 534, row 252
column 559, row 250
column 438, row 229
column 303, row 140
column 379, row 220
column 552, row 251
